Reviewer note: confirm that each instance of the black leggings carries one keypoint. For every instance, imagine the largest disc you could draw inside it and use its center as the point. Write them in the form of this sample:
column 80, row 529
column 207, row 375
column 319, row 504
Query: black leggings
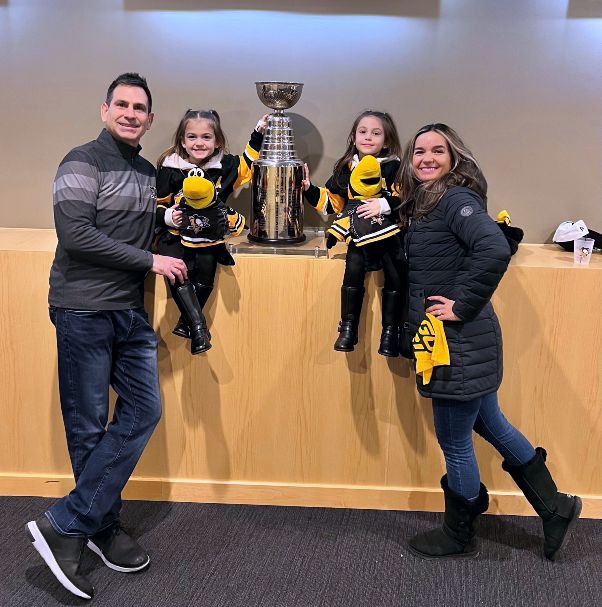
column 201, row 262
column 355, row 268
column 202, row 265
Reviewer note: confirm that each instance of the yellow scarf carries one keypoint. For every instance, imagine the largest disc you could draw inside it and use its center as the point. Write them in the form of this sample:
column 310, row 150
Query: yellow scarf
column 430, row 347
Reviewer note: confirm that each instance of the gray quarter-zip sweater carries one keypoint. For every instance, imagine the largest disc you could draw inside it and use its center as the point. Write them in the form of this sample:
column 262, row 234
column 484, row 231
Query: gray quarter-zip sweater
column 104, row 210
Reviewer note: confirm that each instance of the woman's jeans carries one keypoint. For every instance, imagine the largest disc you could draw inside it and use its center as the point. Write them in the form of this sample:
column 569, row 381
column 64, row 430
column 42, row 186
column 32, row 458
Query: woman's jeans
column 454, row 423
column 98, row 349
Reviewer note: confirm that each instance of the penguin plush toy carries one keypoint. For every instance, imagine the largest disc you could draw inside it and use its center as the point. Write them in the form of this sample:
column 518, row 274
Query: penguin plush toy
column 513, row 234
column 365, row 182
column 203, row 220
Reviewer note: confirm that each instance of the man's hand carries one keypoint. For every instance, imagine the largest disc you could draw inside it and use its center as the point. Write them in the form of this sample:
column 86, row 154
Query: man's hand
column 170, row 267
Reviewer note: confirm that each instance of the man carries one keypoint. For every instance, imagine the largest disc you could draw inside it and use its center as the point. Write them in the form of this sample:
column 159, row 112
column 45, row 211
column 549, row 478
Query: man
column 104, row 209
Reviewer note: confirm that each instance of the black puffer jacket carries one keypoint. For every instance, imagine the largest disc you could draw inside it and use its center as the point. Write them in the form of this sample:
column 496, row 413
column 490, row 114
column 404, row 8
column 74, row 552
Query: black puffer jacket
column 458, row 251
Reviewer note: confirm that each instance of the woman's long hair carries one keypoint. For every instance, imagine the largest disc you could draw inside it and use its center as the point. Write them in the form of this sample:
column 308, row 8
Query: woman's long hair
column 391, row 146
column 177, row 148
column 420, row 197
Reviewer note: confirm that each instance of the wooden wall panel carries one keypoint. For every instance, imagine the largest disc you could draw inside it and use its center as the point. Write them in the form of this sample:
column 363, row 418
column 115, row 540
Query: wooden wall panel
column 271, row 414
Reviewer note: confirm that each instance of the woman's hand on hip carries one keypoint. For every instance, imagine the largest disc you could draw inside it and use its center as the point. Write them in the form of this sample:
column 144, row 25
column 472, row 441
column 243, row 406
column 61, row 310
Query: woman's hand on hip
column 441, row 307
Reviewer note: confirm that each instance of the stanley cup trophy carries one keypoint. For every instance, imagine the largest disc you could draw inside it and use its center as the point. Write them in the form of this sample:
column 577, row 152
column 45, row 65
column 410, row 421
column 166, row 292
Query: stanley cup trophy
column 277, row 211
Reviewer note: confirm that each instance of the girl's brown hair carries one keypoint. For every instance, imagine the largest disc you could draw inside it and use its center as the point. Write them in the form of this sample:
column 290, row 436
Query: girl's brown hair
column 177, row 148
column 391, row 146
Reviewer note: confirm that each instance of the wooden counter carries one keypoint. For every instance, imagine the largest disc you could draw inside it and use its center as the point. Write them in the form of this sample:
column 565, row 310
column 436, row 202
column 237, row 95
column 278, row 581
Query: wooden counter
column 272, row 415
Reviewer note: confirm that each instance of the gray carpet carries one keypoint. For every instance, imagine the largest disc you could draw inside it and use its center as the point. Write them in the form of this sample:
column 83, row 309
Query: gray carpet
column 229, row 556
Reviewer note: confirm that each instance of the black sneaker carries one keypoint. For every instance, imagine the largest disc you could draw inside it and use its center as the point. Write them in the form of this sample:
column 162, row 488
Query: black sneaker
column 118, row 550
column 62, row 554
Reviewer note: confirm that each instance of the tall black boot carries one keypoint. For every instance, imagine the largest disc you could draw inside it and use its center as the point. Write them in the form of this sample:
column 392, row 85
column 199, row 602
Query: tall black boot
column 181, row 329
column 202, row 294
column 455, row 539
column 193, row 314
column 558, row 511
column 352, row 299
column 389, row 338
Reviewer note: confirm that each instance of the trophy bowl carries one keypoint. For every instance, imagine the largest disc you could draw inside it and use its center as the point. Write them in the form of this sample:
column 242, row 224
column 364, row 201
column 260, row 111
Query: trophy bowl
column 279, row 95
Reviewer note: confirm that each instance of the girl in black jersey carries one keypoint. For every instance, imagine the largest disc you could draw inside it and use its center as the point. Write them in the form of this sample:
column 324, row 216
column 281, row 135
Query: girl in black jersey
column 199, row 143
column 373, row 133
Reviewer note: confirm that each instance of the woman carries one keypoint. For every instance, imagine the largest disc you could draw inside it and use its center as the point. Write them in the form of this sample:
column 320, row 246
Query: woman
column 457, row 255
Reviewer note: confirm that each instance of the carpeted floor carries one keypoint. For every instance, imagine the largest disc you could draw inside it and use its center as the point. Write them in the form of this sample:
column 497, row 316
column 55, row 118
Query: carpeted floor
column 229, row 556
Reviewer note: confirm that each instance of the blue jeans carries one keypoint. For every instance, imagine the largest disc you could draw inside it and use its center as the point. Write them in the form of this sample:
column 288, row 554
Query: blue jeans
column 454, row 423
column 98, row 349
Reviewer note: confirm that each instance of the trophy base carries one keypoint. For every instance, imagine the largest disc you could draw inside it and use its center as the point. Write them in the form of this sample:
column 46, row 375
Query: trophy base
column 311, row 243
column 276, row 241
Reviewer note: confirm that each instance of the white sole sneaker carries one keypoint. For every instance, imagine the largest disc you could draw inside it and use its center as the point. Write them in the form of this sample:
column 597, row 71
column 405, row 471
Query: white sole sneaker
column 98, row 551
column 40, row 544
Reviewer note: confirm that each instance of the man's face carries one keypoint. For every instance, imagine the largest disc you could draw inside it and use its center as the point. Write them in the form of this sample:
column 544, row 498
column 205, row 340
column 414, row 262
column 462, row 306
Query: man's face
column 127, row 117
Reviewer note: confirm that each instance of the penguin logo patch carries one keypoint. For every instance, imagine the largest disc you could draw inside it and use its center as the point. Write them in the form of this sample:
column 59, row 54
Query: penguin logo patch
column 198, row 223
column 466, row 211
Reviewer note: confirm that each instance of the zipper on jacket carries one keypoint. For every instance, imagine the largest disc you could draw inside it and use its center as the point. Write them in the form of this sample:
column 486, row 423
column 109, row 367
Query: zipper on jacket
column 406, row 249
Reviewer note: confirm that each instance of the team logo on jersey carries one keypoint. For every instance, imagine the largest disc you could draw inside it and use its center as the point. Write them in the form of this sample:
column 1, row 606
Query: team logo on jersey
column 198, row 223
column 466, row 211
column 153, row 193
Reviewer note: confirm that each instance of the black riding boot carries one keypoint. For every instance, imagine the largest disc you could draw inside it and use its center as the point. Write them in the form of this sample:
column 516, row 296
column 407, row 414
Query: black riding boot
column 389, row 338
column 202, row 294
column 182, row 329
column 558, row 511
column 190, row 309
column 455, row 539
column 351, row 308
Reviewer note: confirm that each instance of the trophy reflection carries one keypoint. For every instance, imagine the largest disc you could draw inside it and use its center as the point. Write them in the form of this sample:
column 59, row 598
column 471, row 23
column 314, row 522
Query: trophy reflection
column 277, row 209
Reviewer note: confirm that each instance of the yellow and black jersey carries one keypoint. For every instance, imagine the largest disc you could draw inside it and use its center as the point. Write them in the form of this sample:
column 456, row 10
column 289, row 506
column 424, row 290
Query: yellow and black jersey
column 337, row 197
column 209, row 226
column 332, row 198
column 349, row 227
column 227, row 172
